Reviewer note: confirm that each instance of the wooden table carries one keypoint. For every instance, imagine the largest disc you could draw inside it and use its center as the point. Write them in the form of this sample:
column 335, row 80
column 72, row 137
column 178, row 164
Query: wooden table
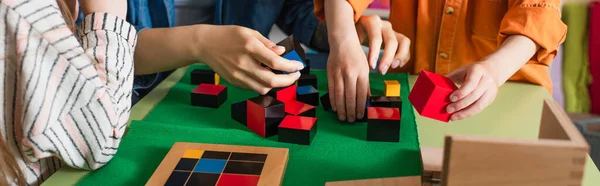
column 515, row 113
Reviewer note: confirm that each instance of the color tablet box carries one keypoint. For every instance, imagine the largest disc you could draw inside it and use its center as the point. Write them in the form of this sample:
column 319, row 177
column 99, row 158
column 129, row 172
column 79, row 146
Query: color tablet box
column 209, row 95
column 221, row 165
column 430, row 95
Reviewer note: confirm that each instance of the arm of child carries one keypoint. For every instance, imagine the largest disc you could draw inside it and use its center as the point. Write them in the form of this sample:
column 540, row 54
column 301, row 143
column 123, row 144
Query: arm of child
column 480, row 80
column 530, row 33
column 234, row 52
column 348, row 67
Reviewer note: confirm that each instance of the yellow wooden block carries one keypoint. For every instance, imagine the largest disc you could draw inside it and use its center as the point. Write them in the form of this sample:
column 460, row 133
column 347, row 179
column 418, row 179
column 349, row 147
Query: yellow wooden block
column 217, row 79
column 193, row 154
column 391, row 88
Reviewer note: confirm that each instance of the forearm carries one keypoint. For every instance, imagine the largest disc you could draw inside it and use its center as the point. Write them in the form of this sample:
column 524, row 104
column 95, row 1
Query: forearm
column 162, row 49
column 514, row 52
column 340, row 23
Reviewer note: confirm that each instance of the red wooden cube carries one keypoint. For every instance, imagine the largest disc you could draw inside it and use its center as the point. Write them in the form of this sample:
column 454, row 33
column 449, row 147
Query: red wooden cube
column 209, row 95
column 383, row 124
column 298, row 108
column 430, row 95
column 297, row 129
column 264, row 113
column 284, row 94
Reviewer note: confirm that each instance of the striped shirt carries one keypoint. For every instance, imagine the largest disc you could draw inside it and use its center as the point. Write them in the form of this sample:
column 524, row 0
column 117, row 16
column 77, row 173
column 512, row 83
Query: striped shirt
column 62, row 100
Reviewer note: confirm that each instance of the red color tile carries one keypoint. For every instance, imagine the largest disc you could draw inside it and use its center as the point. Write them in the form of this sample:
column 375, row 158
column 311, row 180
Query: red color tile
column 210, row 89
column 430, row 95
column 294, row 107
column 238, row 180
column 256, row 118
column 298, row 122
column 383, row 113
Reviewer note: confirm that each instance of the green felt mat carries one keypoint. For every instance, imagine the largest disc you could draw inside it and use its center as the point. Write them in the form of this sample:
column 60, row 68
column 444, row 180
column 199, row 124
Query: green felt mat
column 338, row 152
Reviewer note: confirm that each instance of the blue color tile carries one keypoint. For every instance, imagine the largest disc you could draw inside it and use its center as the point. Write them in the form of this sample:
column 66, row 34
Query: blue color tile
column 210, row 166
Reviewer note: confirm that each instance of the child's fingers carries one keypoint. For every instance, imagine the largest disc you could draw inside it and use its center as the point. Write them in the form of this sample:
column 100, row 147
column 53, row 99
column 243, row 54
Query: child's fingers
column 472, row 79
column 362, row 92
column 339, row 97
column 391, row 46
column 373, row 25
column 331, row 88
column 485, row 100
column 403, row 52
column 350, row 97
column 467, row 100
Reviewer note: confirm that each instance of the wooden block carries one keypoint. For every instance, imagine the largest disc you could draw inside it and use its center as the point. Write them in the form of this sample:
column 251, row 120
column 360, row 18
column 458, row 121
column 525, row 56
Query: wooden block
column 308, row 79
column 306, row 69
column 308, row 94
column 297, row 129
column 297, row 108
column 395, row 181
column 391, row 88
column 284, row 94
column 264, row 113
column 384, row 101
column 325, row 102
column 383, row 124
column 220, row 165
column 293, row 51
column 430, row 95
column 556, row 159
column 198, row 76
column 238, row 112
column 209, row 95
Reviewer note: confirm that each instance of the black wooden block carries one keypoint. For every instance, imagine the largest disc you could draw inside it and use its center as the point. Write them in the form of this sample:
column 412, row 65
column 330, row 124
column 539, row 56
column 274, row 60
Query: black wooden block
column 383, row 101
column 238, row 112
column 298, row 130
column 383, row 124
column 308, row 94
column 264, row 113
column 209, row 95
column 325, row 102
column 308, row 79
column 198, row 76
column 306, row 69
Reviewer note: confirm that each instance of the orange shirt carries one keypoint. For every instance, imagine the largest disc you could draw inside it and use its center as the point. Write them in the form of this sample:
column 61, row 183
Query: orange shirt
column 446, row 34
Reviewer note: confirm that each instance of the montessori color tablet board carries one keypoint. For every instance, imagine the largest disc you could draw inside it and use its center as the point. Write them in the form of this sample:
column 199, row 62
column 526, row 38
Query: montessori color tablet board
column 220, row 165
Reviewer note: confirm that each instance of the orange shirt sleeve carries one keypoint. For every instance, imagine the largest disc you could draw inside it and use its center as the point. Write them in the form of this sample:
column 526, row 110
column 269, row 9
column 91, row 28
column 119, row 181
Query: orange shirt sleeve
column 359, row 7
column 538, row 20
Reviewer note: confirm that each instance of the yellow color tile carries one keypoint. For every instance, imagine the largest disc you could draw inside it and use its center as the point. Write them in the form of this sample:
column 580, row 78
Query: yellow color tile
column 193, row 154
column 391, row 88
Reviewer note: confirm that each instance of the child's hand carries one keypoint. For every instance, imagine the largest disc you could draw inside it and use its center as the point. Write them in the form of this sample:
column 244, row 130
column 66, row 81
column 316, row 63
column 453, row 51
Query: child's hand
column 374, row 32
column 478, row 90
column 348, row 80
column 236, row 54
column 114, row 7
